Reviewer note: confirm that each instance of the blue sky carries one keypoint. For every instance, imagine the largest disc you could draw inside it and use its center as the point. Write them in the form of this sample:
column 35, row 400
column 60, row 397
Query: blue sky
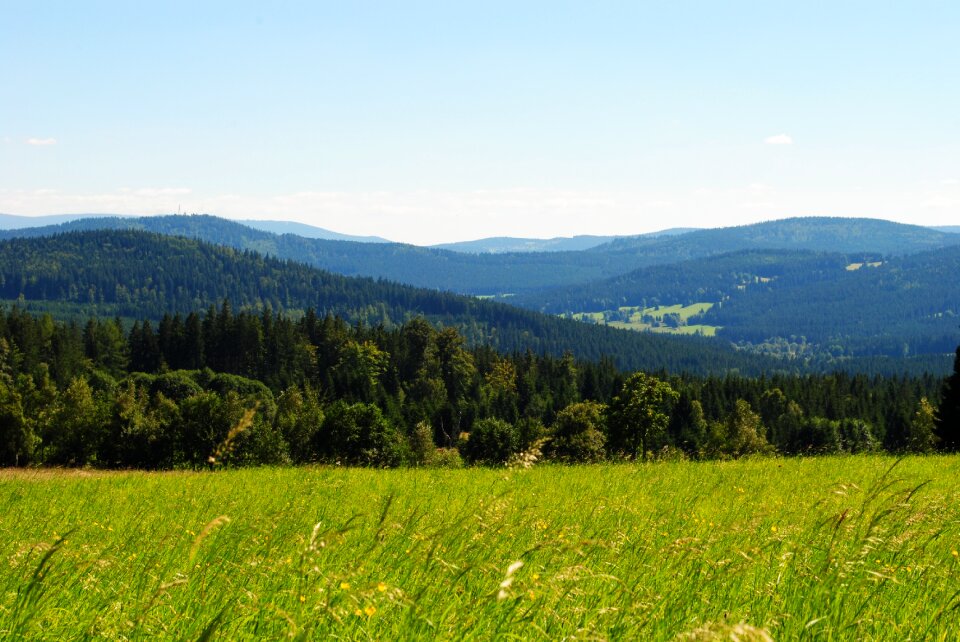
column 437, row 121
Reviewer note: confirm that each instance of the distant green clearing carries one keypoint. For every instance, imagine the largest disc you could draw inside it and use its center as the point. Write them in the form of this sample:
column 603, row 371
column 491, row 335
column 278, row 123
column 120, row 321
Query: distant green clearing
column 666, row 319
column 823, row 549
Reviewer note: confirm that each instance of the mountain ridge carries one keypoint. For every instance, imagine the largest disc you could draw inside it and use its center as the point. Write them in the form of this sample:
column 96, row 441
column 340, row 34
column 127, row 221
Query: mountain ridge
column 497, row 274
column 512, row 244
column 144, row 274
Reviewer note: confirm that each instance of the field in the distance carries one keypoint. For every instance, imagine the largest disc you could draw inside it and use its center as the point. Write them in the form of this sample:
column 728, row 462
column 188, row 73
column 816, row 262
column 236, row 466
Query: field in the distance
column 667, row 319
column 818, row 549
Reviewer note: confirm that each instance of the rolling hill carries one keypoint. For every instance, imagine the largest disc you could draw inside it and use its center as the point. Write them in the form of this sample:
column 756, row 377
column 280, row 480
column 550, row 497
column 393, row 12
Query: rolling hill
column 522, row 272
column 506, row 244
column 818, row 234
column 841, row 305
column 15, row 222
column 144, row 275
column 308, row 231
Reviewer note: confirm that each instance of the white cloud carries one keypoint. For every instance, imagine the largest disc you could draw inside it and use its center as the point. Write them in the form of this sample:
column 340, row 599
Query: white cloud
column 950, row 182
column 779, row 139
column 41, row 141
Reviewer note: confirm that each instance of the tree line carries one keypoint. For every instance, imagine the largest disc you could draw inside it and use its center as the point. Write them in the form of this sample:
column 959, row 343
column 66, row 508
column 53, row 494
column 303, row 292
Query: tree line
column 263, row 387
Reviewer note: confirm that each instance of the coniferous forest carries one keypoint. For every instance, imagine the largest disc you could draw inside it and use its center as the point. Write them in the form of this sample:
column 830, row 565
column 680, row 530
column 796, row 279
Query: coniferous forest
column 141, row 275
column 234, row 387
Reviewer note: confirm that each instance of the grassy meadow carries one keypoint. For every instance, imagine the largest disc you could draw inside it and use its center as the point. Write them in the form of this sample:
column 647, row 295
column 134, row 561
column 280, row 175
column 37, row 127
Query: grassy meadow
column 854, row 548
column 638, row 318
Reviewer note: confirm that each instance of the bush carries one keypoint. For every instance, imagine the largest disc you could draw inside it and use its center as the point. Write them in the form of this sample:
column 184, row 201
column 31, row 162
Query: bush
column 360, row 434
column 77, row 430
column 446, row 458
column 227, row 429
column 422, row 448
column 176, row 385
column 299, row 417
column 578, row 433
column 492, row 441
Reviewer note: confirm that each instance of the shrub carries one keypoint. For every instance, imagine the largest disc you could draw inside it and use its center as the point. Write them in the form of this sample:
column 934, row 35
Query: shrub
column 492, row 441
column 299, row 417
column 359, row 434
column 176, row 385
column 578, row 433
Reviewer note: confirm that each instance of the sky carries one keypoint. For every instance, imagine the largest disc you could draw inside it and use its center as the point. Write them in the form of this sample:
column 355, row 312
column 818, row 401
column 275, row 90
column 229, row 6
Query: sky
column 430, row 122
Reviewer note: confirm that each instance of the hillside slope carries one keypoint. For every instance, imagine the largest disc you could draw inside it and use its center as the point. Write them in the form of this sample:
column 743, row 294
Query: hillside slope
column 818, row 234
column 491, row 274
column 308, row 231
column 139, row 274
column 843, row 304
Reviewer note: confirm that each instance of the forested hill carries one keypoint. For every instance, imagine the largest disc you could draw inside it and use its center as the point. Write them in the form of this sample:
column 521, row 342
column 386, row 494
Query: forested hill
column 529, row 271
column 836, row 304
column 309, row 231
column 410, row 264
column 506, row 244
column 904, row 305
column 140, row 274
column 814, row 233
column 711, row 279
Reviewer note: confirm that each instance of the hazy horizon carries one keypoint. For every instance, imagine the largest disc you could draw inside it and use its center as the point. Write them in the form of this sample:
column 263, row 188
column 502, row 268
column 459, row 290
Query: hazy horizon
column 451, row 242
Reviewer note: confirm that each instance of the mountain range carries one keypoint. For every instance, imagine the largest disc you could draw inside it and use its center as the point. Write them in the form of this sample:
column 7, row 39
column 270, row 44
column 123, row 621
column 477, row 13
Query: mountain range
column 14, row 222
column 508, row 244
column 826, row 292
column 524, row 272
column 136, row 274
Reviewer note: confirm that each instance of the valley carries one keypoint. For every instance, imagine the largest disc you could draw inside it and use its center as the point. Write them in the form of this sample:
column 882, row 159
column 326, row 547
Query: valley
column 794, row 281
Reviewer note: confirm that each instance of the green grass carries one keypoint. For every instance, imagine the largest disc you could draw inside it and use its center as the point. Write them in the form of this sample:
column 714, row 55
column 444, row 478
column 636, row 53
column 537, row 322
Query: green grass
column 635, row 318
column 813, row 549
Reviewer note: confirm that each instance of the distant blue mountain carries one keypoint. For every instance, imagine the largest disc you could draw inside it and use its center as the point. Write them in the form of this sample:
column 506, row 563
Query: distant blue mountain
column 503, row 244
column 16, row 222
column 309, row 231
column 949, row 229
column 524, row 272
